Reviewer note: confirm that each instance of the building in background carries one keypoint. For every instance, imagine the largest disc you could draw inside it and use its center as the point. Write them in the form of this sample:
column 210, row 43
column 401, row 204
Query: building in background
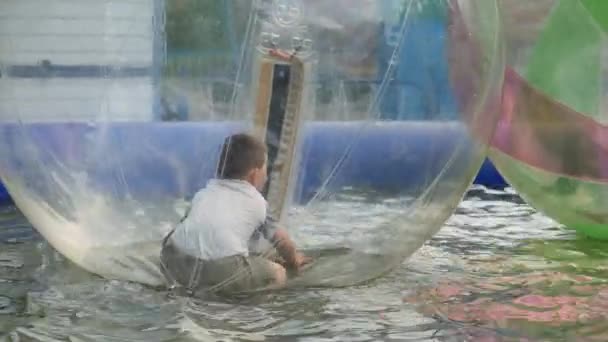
column 80, row 60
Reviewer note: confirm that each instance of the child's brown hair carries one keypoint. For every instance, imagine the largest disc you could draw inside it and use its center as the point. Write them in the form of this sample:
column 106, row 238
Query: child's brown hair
column 240, row 154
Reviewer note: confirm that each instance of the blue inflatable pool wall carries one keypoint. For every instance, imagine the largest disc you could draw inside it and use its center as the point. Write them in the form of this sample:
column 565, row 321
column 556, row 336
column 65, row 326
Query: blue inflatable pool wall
column 159, row 159
column 4, row 196
column 487, row 176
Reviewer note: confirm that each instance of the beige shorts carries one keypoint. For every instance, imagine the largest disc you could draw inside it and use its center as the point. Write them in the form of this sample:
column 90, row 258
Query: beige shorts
column 198, row 277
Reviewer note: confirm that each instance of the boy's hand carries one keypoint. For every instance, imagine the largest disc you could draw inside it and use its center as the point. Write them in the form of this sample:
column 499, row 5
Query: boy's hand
column 287, row 250
column 302, row 260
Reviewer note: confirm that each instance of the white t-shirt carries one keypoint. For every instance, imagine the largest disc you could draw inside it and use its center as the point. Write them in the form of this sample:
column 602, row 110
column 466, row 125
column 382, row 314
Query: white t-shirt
column 224, row 218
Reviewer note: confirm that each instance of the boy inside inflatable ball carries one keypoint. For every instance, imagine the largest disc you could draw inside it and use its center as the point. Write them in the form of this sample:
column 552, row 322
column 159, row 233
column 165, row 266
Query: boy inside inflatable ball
column 209, row 250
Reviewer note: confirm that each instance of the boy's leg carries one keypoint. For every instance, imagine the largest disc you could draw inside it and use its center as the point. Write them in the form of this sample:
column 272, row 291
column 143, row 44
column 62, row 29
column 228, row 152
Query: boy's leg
column 266, row 273
column 241, row 274
column 198, row 277
column 270, row 254
column 180, row 269
column 280, row 274
column 232, row 274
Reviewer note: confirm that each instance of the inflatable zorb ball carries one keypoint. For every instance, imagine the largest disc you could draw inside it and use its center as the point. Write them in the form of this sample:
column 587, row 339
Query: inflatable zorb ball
column 376, row 114
column 551, row 142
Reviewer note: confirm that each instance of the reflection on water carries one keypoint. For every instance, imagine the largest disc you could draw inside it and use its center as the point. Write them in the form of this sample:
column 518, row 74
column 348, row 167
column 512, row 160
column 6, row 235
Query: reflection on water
column 497, row 270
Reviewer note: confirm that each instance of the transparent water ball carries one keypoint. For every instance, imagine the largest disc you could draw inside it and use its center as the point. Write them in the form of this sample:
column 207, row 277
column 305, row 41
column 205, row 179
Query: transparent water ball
column 551, row 141
column 377, row 116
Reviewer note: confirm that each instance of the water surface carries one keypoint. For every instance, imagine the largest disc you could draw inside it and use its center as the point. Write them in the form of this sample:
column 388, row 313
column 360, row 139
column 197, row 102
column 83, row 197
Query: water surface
column 493, row 254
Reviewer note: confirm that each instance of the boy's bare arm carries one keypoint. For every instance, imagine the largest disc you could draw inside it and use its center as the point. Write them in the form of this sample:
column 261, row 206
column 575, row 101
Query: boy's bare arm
column 287, row 249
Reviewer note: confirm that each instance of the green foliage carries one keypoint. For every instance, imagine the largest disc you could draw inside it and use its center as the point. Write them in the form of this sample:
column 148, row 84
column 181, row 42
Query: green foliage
column 565, row 62
column 598, row 9
column 195, row 25
column 204, row 36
